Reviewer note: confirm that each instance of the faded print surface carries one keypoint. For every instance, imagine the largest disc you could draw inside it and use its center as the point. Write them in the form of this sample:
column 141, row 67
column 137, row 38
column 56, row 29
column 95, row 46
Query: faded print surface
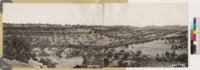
column 88, row 35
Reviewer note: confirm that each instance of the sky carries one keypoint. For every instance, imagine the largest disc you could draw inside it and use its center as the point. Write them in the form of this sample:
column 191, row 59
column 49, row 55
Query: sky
column 135, row 14
column 147, row 14
column 51, row 13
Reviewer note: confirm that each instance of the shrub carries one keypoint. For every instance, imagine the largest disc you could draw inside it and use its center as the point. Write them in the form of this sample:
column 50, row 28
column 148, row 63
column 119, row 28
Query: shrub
column 17, row 48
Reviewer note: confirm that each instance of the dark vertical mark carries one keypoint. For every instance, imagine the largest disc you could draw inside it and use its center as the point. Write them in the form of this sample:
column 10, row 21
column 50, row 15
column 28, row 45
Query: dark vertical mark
column 193, row 48
column 193, row 36
column 1, row 4
column 7, row 1
column 4, row 65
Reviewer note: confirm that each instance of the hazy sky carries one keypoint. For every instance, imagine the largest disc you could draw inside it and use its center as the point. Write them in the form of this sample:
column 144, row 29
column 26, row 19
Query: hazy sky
column 51, row 13
column 136, row 14
column 143, row 14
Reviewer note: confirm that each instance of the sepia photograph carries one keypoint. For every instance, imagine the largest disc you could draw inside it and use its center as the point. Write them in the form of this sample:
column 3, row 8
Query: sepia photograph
column 95, row 35
column 148, row 35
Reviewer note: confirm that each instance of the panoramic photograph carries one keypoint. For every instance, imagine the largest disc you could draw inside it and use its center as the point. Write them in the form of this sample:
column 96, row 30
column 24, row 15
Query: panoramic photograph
column 95, row 36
